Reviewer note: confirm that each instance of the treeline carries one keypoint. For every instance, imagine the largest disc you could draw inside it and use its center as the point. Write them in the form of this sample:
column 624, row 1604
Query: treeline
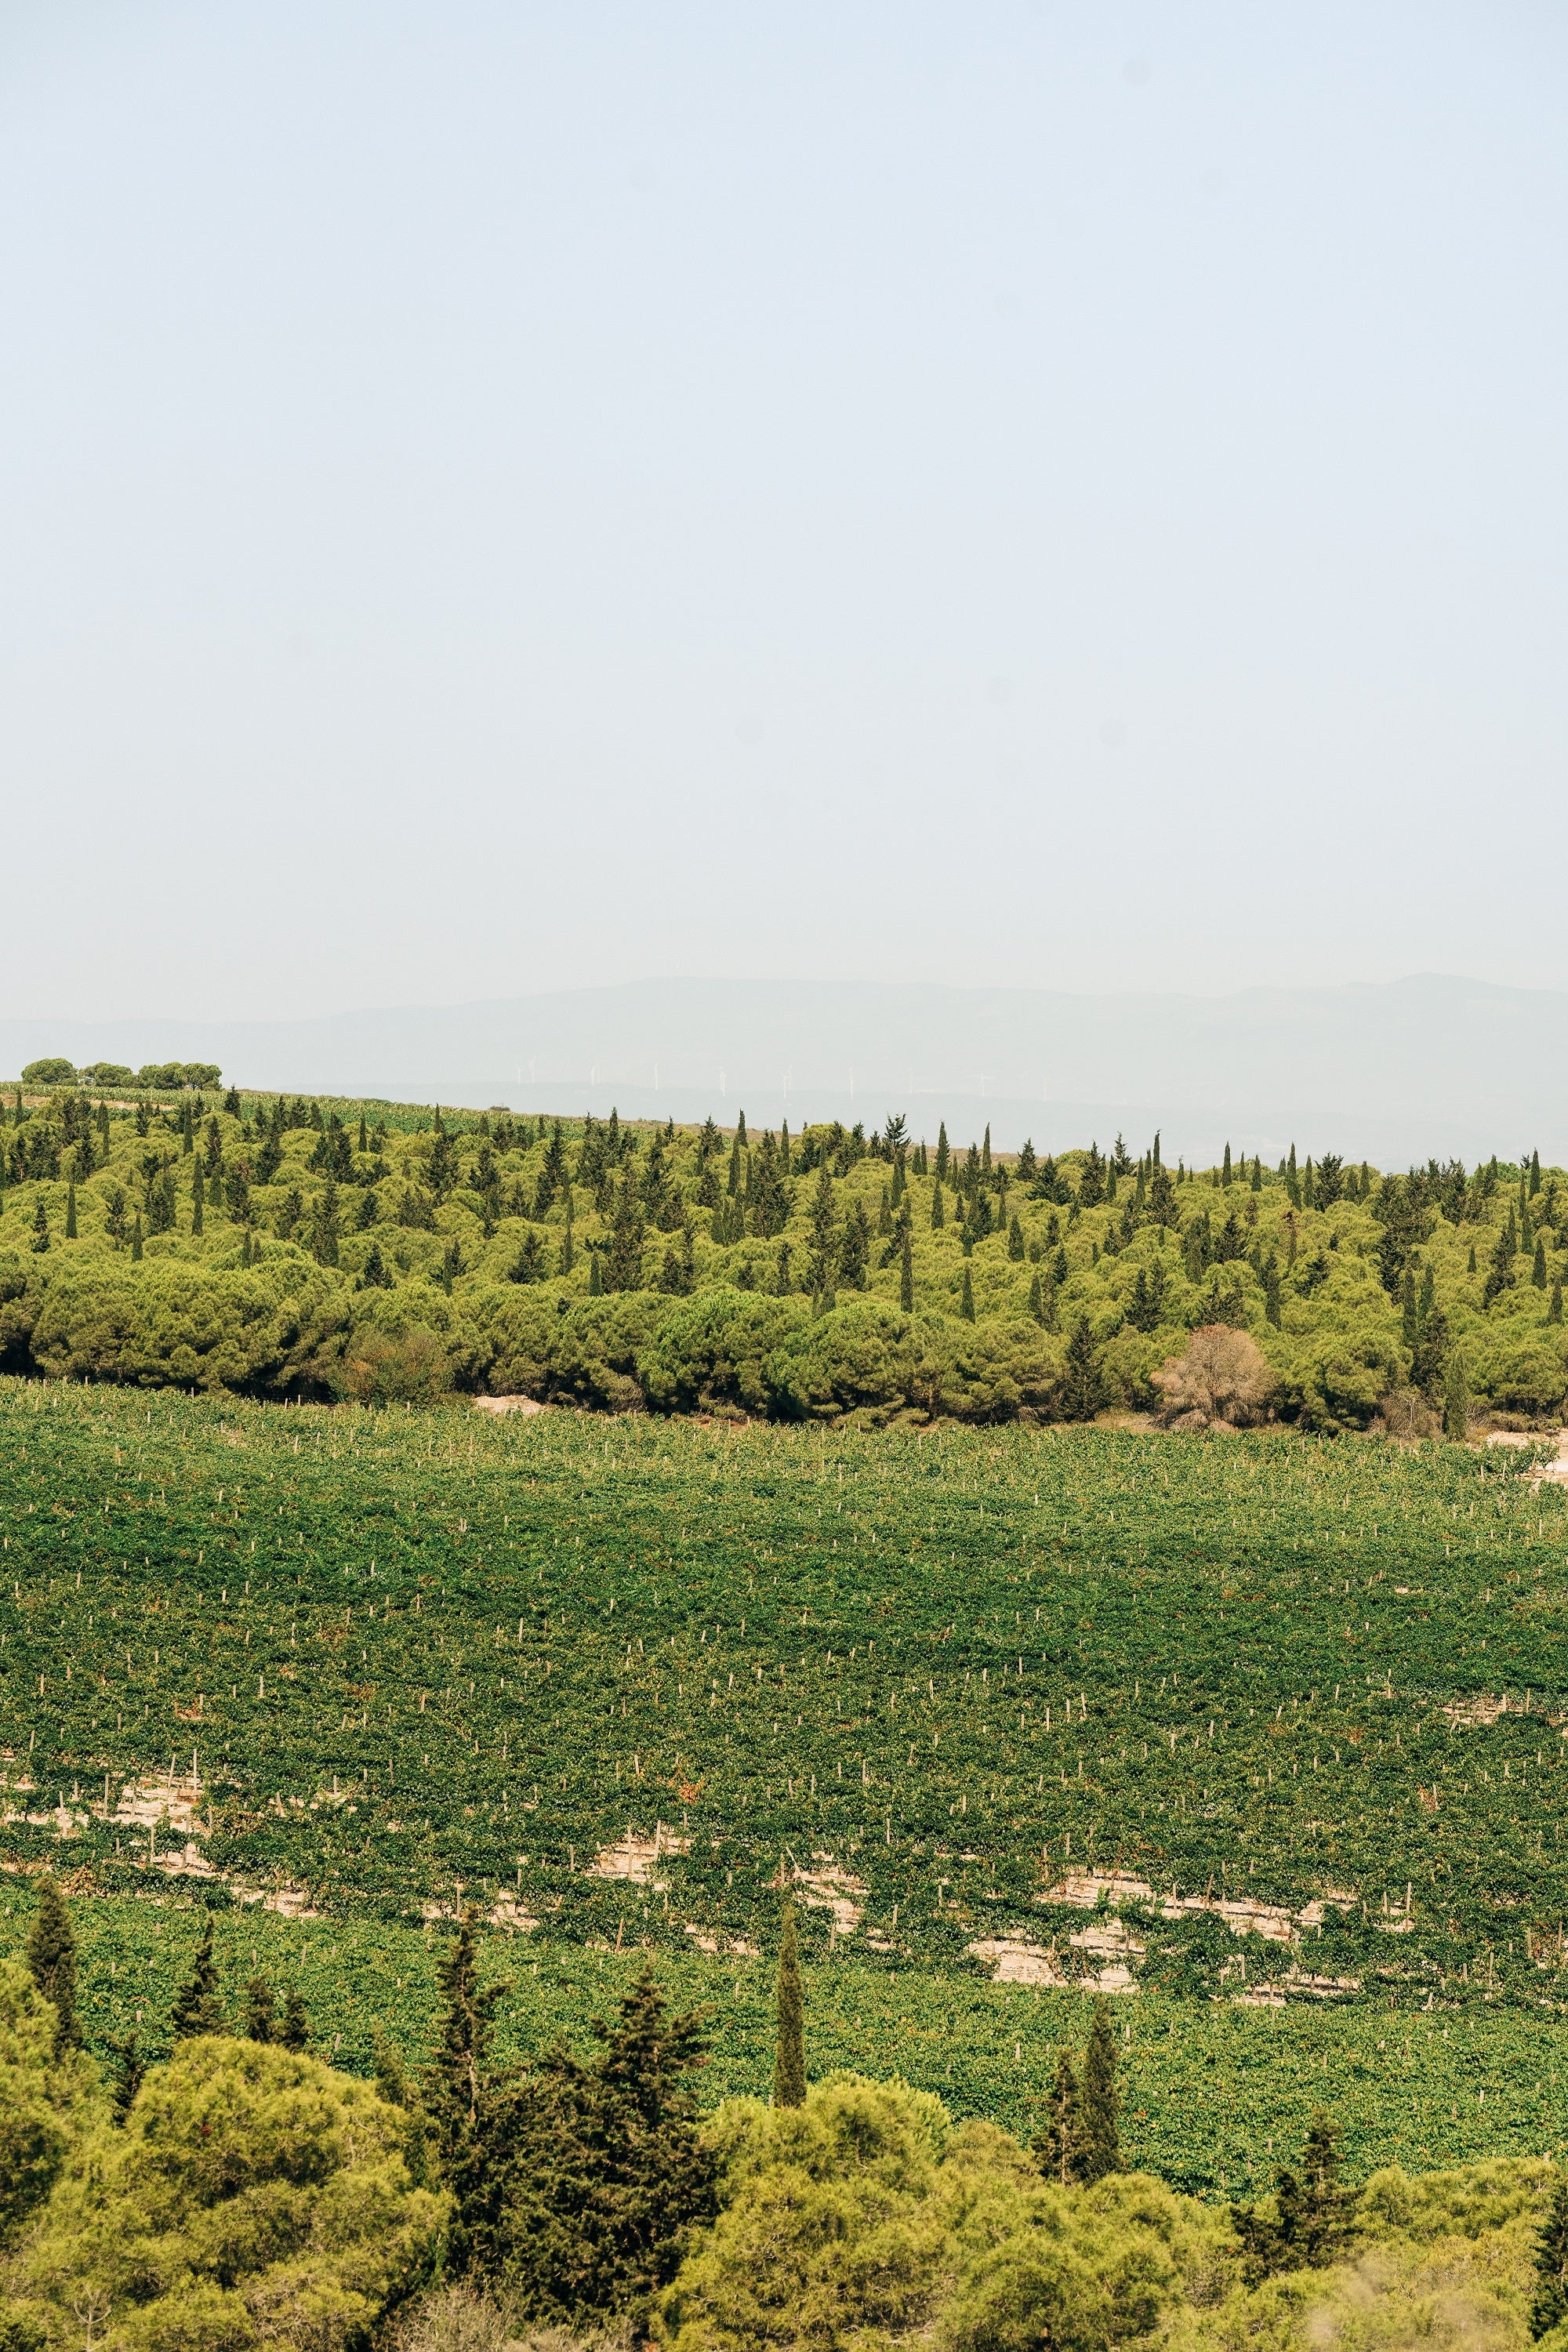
column 241, row 2191
column 282, row 1246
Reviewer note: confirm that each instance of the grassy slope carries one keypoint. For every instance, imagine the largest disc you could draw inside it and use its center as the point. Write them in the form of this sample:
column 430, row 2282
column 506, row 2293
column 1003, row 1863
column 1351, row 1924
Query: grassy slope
column 282, row 1590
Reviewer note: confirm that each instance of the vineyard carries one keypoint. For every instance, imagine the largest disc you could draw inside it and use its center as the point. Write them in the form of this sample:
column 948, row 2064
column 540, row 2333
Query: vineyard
column 1261, row 1718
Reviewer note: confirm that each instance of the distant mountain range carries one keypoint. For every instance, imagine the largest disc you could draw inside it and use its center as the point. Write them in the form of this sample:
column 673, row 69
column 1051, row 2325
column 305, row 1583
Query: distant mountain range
column 1381, row 1071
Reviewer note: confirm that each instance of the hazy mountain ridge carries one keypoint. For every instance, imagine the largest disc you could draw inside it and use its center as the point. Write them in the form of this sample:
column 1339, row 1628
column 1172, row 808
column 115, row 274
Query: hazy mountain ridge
column 1387, row 1070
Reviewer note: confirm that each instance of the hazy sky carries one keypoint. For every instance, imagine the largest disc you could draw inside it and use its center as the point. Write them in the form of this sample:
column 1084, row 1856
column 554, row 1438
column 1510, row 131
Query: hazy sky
column 497, row 496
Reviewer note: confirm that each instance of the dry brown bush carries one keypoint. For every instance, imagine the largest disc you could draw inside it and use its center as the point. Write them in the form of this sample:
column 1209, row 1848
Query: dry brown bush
column 1223, row 1377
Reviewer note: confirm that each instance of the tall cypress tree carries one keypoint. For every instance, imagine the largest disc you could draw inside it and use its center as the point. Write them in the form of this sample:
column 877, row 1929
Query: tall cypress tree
column 938, row 1213
column 1100, row 2100
column 70, row 1211
column 198, row 2006
column 258, row 2017
column 789, row 2057
column 1457, row 1401
column 1537, row 1270
column 966, row 1303
column 942, row 1152
column 130, row 2072
column 136, row 1241
column 906, row 1273
column 1058, row 2149
column 294, row 2034
column 1081, row 1390
column 51, row 1962
column 1554, row 1308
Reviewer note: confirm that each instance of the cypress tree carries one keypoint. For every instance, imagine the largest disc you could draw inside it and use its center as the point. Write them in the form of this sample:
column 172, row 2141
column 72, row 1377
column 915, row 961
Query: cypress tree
column 1457, row 1401
column 1537, row 1270
column 733, row 1185
column 196, row 1203
column 136, row 1241
column 789, row 2059
column 1225, row 1170
column 455, row 2082
column 1534, row 1173
column 364, row 1143
column 595, row 1284
column 1550, row 2305
column 258, row 2017
column 740, row 1131
column 1081, row 1389
column 1100, row 2100
column 943, row 1154
column 938, row 1213
column 906, row 1273
column 1408, row 1328
column 70, row 1211
column 1470, row 1267
column 1037, row 1303
column 966, row 1303
column 51, row 1962
column 1271, row 1289
column 129, row 2072
column 199, row 2009
column 41, row 1227
column 1058, row 2149
column 1554, row 1310
column 1014, row 1237
column 294, row 2034
column 986, row 1152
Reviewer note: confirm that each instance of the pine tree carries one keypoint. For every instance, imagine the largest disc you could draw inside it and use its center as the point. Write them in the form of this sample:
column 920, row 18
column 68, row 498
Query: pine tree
column 258, row 2017
column 70, row 1211
column 294, row 2034
column 1550, row 2307
column 624, row 1270
column 789, row 2060
column 1100, row 2102
column 966, row 1303
column 1058, row 2149
column 51, row 1961
column 906, row 1273
column 130, row 2070
column 1457, row 1401
column 198, row 2006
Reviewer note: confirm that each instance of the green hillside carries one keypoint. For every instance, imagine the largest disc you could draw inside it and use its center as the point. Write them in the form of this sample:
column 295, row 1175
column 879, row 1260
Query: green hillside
column 620, row 1678
column 295, row 1248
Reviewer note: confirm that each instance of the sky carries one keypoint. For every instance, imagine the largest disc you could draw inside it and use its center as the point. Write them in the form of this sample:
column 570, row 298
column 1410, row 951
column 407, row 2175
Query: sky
column 502, row 496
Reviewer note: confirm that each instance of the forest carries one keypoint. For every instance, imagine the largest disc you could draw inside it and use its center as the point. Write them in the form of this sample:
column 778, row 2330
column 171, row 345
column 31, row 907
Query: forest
column 157, row 1232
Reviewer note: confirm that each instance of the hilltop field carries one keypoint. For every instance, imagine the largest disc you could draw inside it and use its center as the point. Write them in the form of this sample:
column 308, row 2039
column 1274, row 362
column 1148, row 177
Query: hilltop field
column 1263, row 1734
column 169, row 1236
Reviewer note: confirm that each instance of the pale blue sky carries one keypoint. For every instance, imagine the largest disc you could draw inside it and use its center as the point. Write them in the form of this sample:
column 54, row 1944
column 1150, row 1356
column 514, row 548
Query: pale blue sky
column 499, row 496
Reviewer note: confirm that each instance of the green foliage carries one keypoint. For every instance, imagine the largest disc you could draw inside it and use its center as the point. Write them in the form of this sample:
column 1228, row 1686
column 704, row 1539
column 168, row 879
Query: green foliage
column 251, row 2195
column 1550, row 2308
column 198, row 2006
column 36, row 2100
